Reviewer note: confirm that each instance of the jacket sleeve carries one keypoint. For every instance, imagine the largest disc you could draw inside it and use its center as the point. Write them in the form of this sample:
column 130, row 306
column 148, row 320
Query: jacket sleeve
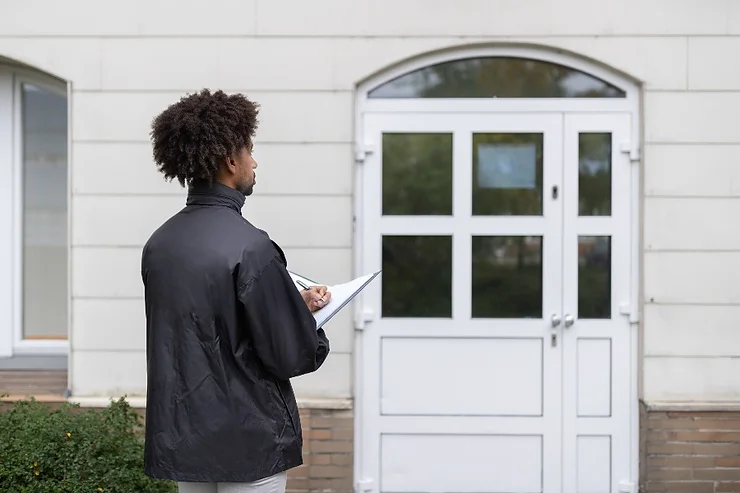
column 282, row 328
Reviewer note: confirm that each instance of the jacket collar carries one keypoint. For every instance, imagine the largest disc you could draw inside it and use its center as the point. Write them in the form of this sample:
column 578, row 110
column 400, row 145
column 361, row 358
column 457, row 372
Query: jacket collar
column 215, row 194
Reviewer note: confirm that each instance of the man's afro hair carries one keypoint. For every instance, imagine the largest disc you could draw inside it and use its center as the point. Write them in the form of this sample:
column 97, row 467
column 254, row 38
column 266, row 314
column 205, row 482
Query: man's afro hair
column 193, row 136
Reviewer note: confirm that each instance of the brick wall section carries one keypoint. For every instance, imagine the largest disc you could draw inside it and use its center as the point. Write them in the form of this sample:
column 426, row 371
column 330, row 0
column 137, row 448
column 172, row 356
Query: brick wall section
column 692, row 452
column 327, row 453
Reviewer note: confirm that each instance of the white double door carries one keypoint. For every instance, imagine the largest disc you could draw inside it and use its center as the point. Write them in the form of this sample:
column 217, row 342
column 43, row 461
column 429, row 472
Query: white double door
column 498, row 355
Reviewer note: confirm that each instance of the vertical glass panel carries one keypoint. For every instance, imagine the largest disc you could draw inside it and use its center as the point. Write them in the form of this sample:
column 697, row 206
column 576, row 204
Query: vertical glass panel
column 417, row 276
column 507, row 174
column 417, row 174
column 594, row 174
column 507, row 277
column 44, row 160
column 594, row 277
column 496, row 77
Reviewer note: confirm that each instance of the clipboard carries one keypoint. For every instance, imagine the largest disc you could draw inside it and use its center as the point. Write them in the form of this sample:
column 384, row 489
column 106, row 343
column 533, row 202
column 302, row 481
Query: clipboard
column 341, row 294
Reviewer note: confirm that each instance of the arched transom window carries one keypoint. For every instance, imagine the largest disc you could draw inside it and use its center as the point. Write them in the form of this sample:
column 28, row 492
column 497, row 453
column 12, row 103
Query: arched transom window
column 496, row 77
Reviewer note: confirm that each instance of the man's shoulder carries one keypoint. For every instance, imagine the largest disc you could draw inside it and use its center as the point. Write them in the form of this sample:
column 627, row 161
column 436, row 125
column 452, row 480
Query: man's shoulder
column 216, row 230
column 258, row 246
column 259, row 252
column 206, row 221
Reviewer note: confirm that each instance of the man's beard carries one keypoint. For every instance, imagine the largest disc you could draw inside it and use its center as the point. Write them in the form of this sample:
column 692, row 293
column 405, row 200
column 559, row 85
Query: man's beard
column 246, row 188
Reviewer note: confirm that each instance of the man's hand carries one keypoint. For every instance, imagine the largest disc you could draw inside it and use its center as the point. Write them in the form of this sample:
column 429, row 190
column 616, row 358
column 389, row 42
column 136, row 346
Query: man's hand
column 316, row 297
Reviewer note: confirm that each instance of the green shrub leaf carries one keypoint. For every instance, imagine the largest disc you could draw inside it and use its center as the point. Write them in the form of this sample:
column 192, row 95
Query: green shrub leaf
column 74, row 450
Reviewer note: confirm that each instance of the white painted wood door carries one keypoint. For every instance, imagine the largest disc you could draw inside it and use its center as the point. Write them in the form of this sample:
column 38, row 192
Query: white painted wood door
column 470, row 380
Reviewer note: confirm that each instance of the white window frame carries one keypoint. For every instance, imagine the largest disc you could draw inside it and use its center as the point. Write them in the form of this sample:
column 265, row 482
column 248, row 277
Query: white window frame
column 632, row 103
column 12, row 342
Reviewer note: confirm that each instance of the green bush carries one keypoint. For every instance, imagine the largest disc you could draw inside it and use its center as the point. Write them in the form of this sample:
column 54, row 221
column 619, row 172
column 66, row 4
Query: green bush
column 73, row 450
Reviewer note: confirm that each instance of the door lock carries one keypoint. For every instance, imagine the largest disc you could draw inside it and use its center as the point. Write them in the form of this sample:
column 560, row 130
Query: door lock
column 555, row 321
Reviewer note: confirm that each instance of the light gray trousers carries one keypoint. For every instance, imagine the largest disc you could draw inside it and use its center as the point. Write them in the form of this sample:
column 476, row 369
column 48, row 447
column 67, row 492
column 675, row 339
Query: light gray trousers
column 273, row 484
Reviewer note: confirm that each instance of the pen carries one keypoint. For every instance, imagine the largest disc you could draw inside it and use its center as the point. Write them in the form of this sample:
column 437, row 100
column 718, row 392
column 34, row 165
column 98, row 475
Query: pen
column 302, row 284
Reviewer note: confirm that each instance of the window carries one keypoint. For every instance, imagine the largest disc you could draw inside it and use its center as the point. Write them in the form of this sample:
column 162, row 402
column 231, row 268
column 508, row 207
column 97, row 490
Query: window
column 34, row 245
column 496, row 77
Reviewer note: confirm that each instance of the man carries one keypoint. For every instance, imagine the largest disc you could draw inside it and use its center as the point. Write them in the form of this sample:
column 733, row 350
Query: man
column 226, row 327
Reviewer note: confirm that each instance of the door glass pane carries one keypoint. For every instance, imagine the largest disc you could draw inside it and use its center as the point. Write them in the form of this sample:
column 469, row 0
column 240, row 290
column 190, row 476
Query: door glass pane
column 507, row 174
column 594, row 174
column 594, row 277
column 417, row 276
column 507, row 277
column 417, row 174
column 44, row 147
column 496, row 77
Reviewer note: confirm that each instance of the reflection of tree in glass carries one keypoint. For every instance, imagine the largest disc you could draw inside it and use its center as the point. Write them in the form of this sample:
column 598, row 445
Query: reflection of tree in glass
column 594, row 277
column 500, row 200
column 496, row 77
column 594, row 174
column 417, row 174
column 507, row 277
column 417, row 276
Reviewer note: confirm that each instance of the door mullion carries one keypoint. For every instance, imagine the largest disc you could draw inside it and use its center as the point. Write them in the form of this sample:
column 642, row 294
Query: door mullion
column 552, row 303
column 461, row 207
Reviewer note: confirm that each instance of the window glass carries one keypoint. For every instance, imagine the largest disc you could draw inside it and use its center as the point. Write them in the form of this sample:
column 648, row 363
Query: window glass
column 44, row 161
column 594, row 277
column 496, row 77
column 507, row 277
column 407, row 157
column 594, row 174
column 417, row 276
column 507, row 174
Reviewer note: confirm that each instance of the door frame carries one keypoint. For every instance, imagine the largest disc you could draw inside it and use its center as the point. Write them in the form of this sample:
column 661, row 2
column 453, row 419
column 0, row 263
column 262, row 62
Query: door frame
column 631, row 104
column 12, row 342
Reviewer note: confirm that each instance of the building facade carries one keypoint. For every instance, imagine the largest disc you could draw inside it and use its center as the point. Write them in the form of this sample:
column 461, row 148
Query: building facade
column 548, row 188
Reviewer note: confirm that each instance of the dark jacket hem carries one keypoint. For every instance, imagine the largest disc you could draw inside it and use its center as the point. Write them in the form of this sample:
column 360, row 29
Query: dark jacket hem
column 241, row 477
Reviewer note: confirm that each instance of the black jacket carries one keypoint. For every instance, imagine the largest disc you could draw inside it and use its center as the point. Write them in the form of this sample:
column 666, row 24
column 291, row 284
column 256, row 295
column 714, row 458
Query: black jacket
column 226, row 330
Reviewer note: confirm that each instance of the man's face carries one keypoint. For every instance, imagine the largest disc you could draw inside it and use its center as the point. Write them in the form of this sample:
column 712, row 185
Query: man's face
column 245, row 175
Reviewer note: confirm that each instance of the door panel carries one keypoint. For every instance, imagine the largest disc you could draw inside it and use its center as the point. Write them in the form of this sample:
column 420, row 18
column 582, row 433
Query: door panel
column 596, row 258
column 459, row 366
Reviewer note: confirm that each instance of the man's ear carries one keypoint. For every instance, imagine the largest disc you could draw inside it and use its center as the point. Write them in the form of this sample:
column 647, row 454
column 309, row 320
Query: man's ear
column 229, row 164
